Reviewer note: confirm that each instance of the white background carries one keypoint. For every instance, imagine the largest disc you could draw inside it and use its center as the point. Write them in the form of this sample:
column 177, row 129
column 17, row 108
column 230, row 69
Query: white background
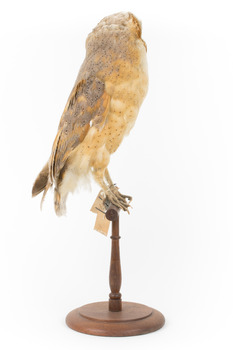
column 176, row 246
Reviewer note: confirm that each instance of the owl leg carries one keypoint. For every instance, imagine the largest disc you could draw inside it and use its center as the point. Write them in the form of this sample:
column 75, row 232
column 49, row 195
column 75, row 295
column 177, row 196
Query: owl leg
column 59, row 202
column 114, row 188
column 112, row 195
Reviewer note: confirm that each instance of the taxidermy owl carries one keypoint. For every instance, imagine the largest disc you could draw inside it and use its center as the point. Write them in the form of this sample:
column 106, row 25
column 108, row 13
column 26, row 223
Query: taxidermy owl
column 101, row 110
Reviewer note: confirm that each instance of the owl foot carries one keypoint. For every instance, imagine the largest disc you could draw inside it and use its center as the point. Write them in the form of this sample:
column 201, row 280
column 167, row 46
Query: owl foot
column 119, row 200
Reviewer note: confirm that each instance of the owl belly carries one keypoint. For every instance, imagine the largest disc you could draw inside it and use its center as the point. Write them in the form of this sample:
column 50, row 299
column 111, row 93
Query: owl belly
column 120, row 122
column 125, row 103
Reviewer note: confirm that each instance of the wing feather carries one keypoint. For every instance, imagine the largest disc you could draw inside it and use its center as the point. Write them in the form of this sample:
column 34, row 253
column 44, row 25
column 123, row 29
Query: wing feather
column 88, row 102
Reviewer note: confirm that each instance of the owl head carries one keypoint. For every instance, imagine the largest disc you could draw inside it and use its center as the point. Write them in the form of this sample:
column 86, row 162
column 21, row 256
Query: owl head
column 121, row 24
column 122, row 20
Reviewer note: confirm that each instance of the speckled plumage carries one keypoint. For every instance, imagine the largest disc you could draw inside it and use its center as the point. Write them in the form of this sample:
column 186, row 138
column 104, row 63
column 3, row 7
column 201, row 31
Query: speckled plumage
column 101, row 110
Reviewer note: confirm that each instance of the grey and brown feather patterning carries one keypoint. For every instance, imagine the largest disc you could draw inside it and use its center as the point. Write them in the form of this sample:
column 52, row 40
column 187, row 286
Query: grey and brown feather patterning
column 88, row 102
column 102, row 107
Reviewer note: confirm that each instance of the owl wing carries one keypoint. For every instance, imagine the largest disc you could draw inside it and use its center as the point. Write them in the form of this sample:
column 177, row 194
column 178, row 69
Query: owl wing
column 87, row 102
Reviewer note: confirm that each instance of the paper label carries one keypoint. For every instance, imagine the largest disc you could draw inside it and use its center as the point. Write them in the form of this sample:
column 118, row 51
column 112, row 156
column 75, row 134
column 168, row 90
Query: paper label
column 98, row 204
column 101, row 224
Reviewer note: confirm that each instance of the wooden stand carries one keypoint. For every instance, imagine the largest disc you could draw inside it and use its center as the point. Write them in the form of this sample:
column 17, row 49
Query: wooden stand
column 115, row 318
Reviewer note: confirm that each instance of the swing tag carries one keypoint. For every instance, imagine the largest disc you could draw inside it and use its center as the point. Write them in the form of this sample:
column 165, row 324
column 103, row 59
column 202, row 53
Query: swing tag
column 101, row 223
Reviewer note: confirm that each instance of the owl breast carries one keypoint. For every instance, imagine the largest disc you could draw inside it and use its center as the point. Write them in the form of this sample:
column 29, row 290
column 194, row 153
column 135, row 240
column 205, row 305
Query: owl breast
column 127, row 96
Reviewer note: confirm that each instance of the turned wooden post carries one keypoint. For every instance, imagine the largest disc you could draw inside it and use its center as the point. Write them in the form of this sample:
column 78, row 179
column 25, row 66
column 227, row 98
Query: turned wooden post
column 115, row 318
column 115, row 303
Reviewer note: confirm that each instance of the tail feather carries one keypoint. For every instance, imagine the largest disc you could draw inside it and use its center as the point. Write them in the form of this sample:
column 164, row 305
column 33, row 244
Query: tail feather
column 41, row 181
column 48, row 185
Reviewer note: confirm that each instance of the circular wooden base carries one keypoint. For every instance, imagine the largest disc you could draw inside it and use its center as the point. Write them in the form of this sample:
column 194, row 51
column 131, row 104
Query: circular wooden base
column 96, row 319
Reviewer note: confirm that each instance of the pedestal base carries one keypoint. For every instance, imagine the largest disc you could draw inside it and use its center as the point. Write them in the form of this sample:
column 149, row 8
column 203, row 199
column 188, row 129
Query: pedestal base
column 96, row 319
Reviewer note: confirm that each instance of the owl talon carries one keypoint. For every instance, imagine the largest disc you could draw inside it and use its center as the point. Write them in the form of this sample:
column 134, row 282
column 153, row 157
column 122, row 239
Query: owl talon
column 118, row 199
column 128, row 197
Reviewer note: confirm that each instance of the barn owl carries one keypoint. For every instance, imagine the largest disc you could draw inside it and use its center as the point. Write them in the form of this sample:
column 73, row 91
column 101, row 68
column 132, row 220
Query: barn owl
column 101, row 109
